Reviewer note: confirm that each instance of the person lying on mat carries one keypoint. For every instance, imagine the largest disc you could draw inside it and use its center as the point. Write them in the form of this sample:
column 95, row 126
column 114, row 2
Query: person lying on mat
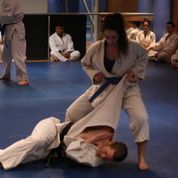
column 89, row 145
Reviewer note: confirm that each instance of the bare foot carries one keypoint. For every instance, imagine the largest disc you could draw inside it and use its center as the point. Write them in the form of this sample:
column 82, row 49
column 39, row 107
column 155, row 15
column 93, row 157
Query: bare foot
column 5, row 77
column 23, row 83
column 142, row 165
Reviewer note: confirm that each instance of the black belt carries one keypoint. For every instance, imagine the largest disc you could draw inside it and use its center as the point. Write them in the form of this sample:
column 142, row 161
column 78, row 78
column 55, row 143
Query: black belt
column 109, row 81
column 60, row 150
column 3, row 29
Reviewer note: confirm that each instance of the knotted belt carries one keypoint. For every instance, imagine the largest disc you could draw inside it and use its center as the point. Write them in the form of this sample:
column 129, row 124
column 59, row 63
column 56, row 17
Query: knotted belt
column 60, row 150
column 109, row 81
column 3, row 28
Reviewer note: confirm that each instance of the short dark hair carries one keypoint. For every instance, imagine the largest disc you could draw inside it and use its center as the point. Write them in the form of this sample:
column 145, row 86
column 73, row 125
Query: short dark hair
column 171, row 23
column 148, row 21
column 121, row 151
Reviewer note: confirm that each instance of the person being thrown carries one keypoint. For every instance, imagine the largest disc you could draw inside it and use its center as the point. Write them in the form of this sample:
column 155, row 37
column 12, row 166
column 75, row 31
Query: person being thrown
column 92, row 146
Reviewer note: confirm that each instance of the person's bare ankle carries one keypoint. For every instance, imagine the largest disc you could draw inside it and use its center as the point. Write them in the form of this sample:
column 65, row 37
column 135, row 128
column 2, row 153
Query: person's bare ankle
column 142, row 165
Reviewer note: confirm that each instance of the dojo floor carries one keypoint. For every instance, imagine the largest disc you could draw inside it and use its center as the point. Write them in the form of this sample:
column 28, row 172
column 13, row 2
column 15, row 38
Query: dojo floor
column 53, row 86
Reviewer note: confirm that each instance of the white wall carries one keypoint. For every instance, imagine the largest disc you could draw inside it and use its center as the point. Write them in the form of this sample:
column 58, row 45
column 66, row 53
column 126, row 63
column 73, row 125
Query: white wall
column 34, row 6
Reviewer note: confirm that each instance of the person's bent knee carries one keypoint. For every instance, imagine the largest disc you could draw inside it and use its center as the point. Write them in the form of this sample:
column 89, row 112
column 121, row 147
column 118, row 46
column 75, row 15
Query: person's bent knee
column 70, row 115
column 75, row 55
column 140, row 128
column 37, row 142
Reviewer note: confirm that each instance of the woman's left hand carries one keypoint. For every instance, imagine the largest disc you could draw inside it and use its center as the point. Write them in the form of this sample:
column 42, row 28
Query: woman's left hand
column 131, row 76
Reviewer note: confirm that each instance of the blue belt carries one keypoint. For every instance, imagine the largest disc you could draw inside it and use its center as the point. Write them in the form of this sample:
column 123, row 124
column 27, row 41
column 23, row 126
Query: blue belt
column 109, row 81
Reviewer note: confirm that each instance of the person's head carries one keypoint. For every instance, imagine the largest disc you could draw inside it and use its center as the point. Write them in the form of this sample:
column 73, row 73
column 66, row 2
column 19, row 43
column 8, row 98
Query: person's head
column 59, row 30
column 129, row 24
column 146, row 25
column 170, row 27
column 113, row 151
column 114, row 31
column 136, row 24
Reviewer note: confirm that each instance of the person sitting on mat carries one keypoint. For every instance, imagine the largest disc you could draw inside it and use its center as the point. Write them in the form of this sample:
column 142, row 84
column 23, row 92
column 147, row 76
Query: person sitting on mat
column 62, row 47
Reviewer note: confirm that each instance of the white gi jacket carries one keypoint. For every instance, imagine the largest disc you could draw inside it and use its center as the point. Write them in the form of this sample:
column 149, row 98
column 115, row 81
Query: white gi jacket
column 133, row 34
column 136, row 60
column 11, row 14
column 1, row 47
column 128, row 31
column 64, row 44
column 167, row 44
column 174, row 58
column 46, row 136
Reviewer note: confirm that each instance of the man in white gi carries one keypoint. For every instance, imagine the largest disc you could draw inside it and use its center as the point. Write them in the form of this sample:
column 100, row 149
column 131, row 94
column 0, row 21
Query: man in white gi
column 62, row 47
column 167, row 45
column 87, row 142
column 146, row 37
column 13, row 32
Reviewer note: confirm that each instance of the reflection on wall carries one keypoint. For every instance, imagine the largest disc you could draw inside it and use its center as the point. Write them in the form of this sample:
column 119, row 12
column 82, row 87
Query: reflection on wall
column 35, row 6
column 162, row 14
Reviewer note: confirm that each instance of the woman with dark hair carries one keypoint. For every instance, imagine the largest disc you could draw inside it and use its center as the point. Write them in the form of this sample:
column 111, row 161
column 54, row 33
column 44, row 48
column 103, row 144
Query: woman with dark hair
column 146, row 37
column 115, row 66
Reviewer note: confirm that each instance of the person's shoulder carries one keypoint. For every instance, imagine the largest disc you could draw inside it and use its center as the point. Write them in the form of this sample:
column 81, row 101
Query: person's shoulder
column 140, row 31
column 165, row 35
column 67, row 35
column 175, row 35
column 97, row 44
column 152, row 33
column 52, row 35
column 136, row 30
column 133, row 45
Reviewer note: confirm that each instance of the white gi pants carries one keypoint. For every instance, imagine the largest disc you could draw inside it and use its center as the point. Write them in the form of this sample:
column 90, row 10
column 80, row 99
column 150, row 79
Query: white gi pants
column 15, row 48
column 174, row 59
column 34, row 147
column 58, row 56
column 133, row 105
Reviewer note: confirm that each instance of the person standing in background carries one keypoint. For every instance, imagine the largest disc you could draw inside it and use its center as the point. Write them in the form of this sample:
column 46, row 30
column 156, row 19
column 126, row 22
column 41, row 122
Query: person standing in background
column 13, row 34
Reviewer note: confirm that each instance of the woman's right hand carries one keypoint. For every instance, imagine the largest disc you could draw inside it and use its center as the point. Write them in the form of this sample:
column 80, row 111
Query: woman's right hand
column 98, row 78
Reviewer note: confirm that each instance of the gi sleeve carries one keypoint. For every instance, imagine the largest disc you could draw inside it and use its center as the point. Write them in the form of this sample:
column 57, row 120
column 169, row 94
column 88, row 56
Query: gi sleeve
column 52, row 44
column 141, row 61
column 171, row 48
column 83, row 153
column 87, row 62
column 70, row 44
column 6, row 12
column 160, row 45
